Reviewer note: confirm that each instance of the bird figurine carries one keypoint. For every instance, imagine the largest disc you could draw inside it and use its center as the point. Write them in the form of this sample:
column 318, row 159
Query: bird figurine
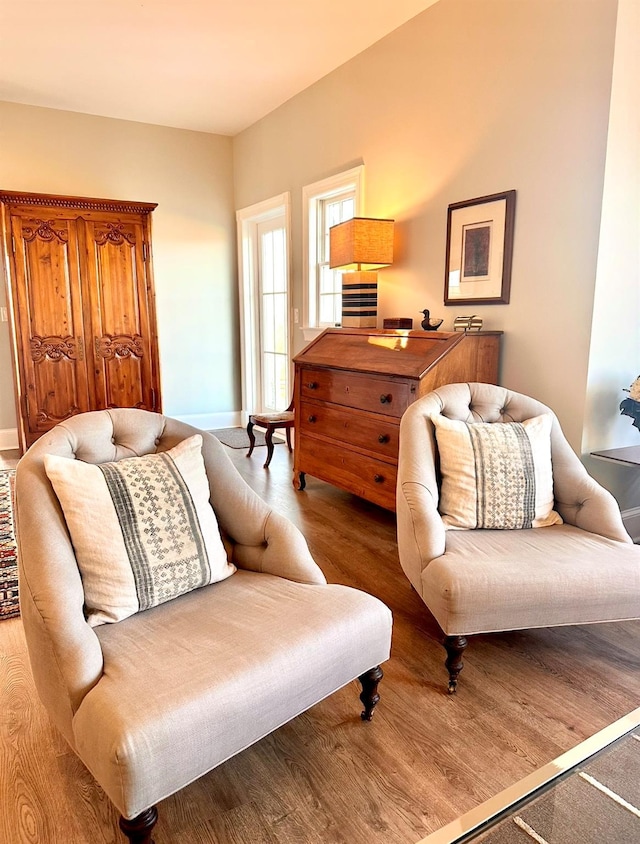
column 430, row 324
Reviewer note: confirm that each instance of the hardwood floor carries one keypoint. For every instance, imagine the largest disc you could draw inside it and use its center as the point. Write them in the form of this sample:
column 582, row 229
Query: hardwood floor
column 426, row 757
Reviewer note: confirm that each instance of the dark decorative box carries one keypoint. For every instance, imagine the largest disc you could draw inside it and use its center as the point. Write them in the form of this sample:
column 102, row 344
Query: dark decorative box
column 398, row 322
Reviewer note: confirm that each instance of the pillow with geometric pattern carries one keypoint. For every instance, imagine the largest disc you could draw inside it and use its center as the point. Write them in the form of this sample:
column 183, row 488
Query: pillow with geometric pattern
column 142, row 528
column 495, row 475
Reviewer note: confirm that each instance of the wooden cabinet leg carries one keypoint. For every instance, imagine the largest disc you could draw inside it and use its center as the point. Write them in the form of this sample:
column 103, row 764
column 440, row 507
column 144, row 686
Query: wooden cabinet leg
column 370, row 696
column 138, row 830
column 299, row 481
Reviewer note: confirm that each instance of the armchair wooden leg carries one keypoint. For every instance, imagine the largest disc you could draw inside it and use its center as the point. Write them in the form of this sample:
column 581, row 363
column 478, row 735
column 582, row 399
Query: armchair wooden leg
column 288, row 434
column 454, row 646
column 369, row 695
column 252, row 439
column 138, row 830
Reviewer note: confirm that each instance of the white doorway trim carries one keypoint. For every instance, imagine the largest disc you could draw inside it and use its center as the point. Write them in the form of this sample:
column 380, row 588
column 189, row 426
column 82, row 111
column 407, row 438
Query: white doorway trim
column 247, row 220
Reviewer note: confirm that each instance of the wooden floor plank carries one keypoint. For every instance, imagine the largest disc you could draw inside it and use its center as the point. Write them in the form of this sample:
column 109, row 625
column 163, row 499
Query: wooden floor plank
column 427, row 757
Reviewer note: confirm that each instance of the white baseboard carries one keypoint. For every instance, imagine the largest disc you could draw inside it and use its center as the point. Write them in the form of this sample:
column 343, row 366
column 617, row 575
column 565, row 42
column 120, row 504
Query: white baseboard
column 211, row 421
column 631, row 519
column 8, row 438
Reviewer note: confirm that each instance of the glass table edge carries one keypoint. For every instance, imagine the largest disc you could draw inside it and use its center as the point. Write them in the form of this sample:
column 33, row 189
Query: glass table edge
column 482, row 814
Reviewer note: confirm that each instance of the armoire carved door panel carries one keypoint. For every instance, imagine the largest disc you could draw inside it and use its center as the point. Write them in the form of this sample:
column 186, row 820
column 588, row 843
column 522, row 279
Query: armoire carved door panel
column 82, row 307
column 121, row 332
column 51, row 326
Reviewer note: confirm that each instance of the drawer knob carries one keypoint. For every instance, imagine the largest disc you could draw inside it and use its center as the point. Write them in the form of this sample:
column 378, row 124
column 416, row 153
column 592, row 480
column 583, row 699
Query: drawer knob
column 311, row 419
column 312, row 385
column 383, row 438
column 378, row 478
column 386, row 398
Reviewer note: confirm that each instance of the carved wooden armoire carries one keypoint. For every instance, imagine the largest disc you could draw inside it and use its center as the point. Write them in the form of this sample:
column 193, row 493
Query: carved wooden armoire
column 82, row 306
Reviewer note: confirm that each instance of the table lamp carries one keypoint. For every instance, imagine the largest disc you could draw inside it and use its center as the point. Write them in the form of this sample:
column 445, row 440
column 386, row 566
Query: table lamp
column 354, row 244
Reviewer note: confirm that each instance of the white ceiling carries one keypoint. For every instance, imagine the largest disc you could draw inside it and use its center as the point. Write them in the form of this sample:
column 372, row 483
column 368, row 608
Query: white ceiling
column 209, row 65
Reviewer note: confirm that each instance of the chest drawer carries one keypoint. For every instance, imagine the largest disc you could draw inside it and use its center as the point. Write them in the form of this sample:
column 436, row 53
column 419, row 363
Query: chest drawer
column 351, row 427
column 373, row 393
column 372, row 479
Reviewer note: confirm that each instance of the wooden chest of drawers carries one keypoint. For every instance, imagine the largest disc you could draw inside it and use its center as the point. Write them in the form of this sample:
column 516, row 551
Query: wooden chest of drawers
column 352, row 387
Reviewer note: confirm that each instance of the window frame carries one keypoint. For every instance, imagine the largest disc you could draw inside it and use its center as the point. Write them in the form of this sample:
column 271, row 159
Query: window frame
column 312, row 197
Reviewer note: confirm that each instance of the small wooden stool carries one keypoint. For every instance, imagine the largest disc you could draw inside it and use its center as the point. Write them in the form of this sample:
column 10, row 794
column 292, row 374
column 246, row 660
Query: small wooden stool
column 271, row 422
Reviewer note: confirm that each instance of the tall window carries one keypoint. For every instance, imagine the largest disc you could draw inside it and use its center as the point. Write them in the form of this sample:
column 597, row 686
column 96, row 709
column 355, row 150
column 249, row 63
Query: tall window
column 326, row 204
column 331, row 211
column 274, row 314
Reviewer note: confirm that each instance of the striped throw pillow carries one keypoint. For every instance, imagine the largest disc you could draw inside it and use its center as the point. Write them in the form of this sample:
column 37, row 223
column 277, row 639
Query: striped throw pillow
column 496, row 476
column 142, row 528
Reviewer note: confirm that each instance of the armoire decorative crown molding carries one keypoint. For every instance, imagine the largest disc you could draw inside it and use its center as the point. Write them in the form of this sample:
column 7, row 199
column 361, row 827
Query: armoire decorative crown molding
column 82, row 202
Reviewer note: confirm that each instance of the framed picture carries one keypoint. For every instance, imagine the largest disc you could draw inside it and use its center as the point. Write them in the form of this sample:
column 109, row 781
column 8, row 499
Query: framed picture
column 479, row 250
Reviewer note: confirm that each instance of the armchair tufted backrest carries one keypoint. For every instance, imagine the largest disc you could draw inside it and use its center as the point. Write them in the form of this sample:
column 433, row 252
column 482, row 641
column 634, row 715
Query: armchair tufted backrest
column 65, row 655
column 579, row 499
column 64, row 651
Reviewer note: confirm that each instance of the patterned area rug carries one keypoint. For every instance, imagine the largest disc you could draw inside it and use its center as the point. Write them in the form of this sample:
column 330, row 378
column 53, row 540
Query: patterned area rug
column 237, row 437
column 9, row 606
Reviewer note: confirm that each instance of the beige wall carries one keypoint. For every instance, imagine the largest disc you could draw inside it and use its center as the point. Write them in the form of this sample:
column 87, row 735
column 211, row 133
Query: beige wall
column 189, row 175
column 470, row 98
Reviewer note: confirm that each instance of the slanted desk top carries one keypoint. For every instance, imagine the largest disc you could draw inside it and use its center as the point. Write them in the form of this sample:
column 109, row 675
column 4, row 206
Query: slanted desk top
column 386, row 352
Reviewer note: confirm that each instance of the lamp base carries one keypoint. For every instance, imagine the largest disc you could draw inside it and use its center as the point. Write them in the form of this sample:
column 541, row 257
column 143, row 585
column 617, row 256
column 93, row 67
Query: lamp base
column 360, row 299
column 359, row 322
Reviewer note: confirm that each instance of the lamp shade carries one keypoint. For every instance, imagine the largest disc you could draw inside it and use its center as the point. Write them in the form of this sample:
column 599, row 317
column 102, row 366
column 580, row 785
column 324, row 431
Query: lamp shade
column 361, row 243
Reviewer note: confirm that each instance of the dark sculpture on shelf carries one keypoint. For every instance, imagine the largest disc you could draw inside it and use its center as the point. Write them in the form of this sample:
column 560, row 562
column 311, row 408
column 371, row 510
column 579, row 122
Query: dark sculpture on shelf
column 630, row 407
column 430, row 324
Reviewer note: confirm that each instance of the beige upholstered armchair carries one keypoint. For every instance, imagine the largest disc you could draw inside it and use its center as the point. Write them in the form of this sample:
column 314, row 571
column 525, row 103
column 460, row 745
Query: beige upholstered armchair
column 156, row 699
column 582, row 570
